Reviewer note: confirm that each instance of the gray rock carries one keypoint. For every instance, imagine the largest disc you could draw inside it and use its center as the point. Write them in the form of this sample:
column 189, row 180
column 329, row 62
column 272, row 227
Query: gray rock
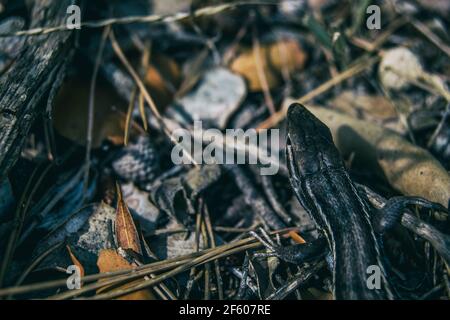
column 218, row 95
column 87, row 233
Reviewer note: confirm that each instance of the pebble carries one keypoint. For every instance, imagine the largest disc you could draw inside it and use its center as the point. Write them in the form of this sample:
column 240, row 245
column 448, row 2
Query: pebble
column 218, row 95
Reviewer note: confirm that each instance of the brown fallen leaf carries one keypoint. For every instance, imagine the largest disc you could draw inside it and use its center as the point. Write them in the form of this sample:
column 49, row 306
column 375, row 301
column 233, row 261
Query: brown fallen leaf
column 163, row 77
column 373, row 108
column 109, row 261
column 70, row 114
column 296, row 237
column 369, row 106
column 193, row 69
column 125, row 229
column 246, row 66
column 287, row 54
column 408, row 168
column 412, row 170
column 320, row 295
column 76, row 262
column 274, row 59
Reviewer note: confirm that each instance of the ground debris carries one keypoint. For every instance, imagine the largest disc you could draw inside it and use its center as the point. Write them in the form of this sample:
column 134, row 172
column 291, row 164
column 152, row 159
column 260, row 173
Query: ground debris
column 152, row 149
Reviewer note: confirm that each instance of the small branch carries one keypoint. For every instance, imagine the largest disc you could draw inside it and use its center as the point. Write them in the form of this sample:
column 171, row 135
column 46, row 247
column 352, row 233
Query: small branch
column 206, row 11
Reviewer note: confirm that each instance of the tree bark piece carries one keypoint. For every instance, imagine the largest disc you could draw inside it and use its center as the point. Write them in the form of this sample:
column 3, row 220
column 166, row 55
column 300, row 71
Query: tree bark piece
column 31, row 76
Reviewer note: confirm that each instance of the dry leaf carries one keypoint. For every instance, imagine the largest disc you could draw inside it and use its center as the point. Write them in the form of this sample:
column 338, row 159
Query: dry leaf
column 193, row 70
column 246, row 66
column 369, row 106
column 286, row 54
column 125, row 229
column 296, row 237
column 75, row 261
column 109, row 261
column 70, row 115
column 274, row 58
column 373, row 108
column 412, row 170
column 320, row 295
column 163, row 77
column 139, row 202
column 86, row 231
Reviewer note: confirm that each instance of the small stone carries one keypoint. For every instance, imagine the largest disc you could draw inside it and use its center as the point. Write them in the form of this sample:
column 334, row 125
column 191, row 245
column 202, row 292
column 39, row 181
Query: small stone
column 398, row 68
column 218, row 95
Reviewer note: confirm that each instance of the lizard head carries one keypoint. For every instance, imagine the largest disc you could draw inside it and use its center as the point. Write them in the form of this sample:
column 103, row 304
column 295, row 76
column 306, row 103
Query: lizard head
column 309, row 146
